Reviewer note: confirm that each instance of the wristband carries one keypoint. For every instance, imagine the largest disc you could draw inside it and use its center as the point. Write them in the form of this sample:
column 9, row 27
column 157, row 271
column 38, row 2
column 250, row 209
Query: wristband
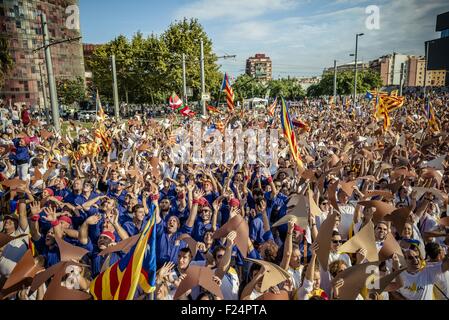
column 154, row 197
column 195, row 201
column 35, row 218
column 55, row 223
column 270, row 180
column 246, row 178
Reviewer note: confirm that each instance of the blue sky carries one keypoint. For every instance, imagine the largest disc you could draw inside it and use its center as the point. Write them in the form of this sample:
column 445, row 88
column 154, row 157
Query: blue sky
column 301, row 36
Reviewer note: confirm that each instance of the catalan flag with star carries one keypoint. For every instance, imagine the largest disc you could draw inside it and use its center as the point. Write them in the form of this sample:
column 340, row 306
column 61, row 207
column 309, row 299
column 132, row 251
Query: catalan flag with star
column 430, row 114
column 137, row 268
column 290, row 135
column 226, row 86
column 272, row 108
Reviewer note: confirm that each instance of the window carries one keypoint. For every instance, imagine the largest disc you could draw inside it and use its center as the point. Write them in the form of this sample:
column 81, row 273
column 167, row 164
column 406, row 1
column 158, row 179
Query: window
column 18, row 24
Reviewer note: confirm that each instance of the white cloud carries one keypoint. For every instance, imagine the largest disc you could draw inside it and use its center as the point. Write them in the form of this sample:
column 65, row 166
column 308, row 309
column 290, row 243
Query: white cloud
column 307, row 43
column 234, row 9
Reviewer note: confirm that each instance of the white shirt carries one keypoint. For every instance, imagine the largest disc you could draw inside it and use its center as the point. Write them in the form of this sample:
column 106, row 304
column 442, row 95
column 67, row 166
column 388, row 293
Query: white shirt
column 335, row 256
column 442, row 282
column 296, row 276
column 13, row 252
column 419, row 286
column 347, row 218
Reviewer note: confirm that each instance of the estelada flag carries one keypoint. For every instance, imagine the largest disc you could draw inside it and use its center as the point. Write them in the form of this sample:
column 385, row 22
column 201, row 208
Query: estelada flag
column 226, row 86
column 272, row 108
column 290, row 135
column 138, row 267
column 178, row 105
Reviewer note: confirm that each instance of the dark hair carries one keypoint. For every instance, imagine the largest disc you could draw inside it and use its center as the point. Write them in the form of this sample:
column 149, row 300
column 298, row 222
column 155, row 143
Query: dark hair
column 36, row 161
column 206, row 294
column 218, row 248
column 137, row 207
column 336, row 233
column 433, row 250
column 186, row 250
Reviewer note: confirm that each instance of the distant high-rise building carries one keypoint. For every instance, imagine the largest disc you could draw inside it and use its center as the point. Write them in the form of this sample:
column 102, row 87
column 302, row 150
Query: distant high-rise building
column 390, row 67
column 439, row 48
column 347, row 67
column 20, row 24
column 260, row 67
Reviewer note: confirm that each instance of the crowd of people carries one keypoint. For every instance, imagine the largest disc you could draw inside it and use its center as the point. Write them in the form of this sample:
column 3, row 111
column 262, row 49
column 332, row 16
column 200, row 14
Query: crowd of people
column 365, row 197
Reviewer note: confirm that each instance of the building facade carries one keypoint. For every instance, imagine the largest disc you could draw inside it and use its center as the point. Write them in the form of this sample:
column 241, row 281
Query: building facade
column 260, row 67
column 439, row 48
column 88, row 50
column 361, row 66
column 20, row 24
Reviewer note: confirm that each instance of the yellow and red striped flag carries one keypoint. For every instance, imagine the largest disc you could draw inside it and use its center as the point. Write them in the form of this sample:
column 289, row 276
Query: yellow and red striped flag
column 272, row 108
column 226, row 86
column 138, row 267
column 290, row 135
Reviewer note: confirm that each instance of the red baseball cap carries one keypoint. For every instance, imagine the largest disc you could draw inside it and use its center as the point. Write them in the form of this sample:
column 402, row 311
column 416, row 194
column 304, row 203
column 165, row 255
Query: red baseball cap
column 66, row 219
column 108, row 234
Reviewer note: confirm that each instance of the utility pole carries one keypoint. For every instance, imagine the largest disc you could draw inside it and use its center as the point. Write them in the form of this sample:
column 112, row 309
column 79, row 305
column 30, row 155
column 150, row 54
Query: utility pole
column 402, row 79
column 184, row 78
column 44, row 95
column 115, row 88
column 203, row 80
column 356, row 64
column 51, row 76
column 335, row 82
column 427, row 68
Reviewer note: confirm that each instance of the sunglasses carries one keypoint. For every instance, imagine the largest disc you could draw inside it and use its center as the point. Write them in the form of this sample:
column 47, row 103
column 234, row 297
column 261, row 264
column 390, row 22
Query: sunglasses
column 337, row 241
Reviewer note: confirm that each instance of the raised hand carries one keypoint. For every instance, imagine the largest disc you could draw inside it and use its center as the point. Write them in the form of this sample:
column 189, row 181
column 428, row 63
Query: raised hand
column 93, row 220
column 35, row 208
column 231, row 238
column 51, row 214
column 198, row 194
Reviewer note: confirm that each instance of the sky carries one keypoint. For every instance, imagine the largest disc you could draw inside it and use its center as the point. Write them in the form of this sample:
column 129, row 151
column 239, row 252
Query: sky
column 302, row 37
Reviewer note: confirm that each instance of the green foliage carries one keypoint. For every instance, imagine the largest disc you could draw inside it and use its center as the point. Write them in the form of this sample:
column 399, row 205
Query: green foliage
column 247, row 87
column 6, row 62
column 150, row 69
column 71, row 91
column 366, row 80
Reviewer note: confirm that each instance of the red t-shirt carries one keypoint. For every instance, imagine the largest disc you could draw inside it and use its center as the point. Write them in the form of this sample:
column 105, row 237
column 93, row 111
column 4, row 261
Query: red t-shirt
column 26, row 117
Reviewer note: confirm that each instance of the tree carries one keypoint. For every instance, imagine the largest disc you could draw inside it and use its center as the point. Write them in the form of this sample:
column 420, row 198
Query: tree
column 150, row 69
column 247, row 87
column 71, row 91
column 6, row 62
column 184, row 37
column 366, row 80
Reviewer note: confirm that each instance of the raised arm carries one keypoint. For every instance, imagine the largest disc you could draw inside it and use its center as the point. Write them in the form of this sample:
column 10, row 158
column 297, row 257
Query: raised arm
column 118, row 228
column 23, row 219
column 34, row 221
column 249, row 288
column 288, row 246
column 197, row 195
column 225, row 262
column 83, row 235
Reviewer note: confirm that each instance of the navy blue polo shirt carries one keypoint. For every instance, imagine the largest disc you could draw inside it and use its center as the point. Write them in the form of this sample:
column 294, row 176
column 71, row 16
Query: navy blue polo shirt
column 166, row 246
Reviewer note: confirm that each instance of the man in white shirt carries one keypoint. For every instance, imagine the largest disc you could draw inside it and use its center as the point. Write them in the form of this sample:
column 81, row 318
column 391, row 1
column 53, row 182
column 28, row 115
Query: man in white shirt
column 435, row 254
column 11, row 254
column 419, row 280
column 347, row 210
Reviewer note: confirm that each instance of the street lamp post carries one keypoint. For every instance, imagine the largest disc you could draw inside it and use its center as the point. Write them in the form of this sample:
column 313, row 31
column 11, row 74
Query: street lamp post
column 51, row 75
column 427, row 66
column 356, row 62
column 203, row 80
